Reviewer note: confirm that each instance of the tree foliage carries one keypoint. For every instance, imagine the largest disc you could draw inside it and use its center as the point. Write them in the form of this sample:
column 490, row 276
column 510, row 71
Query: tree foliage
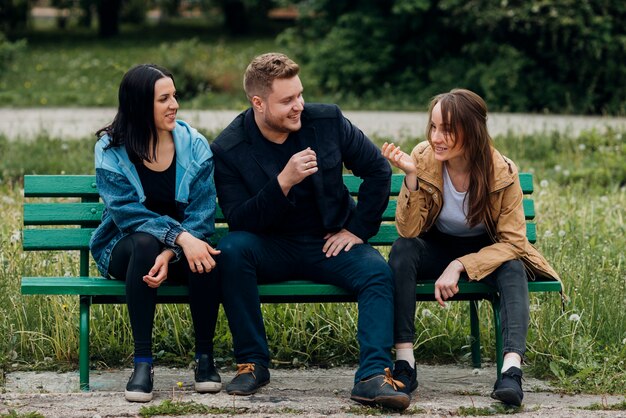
column 540, row 55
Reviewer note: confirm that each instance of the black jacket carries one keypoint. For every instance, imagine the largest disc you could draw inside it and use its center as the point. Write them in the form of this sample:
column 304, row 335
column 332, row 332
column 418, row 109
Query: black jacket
column 246, row 174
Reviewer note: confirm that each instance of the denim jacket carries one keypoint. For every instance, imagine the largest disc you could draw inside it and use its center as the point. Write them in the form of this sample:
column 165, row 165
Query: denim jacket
column 123, row 196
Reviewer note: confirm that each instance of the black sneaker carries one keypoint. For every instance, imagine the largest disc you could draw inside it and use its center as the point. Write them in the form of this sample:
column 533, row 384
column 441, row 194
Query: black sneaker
column 403, row 372
column 381, row 390
column 139, row 386
column 207, row 380
column 250, row 377
column 508, row 388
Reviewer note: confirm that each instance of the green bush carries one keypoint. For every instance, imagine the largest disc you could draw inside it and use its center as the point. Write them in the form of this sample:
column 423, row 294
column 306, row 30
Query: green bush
column 8, row 51
column 552, row 55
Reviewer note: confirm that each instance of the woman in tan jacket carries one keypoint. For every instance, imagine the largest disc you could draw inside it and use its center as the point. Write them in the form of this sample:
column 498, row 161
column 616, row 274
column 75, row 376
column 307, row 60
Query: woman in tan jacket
column 460, row 216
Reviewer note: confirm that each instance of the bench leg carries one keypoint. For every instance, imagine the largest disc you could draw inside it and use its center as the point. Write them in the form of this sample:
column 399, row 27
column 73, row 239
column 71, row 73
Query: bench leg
column 475, row 329
column 495, row 304
column 83, row 359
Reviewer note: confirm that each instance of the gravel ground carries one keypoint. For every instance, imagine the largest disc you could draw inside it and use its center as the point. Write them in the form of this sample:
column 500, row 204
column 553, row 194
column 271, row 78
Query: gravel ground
column 442, row 392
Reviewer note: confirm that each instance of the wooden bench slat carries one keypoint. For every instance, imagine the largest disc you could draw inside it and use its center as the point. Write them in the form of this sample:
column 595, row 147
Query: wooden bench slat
column 73, row 238
column 62, row 213
column 99, row 286
column 531, row 232
column 353, row 183
column 90, row 213
column 78, row 238
column 85, row 185
column 60, row 186
column 56, row 239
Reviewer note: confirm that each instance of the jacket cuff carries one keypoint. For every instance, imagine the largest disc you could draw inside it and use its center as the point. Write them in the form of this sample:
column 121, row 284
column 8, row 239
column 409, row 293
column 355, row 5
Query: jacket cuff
column 172, row 234
column 357, row 229
column 277, row 195
column 471, row 269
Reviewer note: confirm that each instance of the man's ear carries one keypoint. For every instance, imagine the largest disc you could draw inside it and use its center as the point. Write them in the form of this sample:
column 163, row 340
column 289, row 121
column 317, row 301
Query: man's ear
column 257, row 103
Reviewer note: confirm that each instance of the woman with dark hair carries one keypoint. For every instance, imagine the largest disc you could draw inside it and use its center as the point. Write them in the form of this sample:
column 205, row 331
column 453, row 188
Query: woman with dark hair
column 460, row 217
column 155, row 176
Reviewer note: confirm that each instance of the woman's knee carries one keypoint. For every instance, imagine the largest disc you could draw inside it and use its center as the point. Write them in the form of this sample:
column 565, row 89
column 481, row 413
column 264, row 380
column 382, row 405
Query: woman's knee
column 144, row 243
column 405, row 250
column 511, row 274
column 512, row 268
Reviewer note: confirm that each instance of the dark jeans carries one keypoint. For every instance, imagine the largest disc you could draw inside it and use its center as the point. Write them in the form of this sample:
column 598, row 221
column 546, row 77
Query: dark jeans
column 131, row 259
column 248, row 259
column 426, row 257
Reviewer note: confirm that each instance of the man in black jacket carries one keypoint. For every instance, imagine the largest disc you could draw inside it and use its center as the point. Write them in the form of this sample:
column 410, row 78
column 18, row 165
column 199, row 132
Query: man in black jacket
column 278, row 172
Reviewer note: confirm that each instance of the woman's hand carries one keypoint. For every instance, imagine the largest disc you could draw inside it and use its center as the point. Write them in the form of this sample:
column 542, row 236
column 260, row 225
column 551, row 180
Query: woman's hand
column 158, row 272
column 197, row 252
column 399, row 158
column 447, row 285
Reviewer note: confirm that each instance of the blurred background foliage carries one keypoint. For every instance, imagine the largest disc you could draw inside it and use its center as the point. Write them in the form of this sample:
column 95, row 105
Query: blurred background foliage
column 557, row 56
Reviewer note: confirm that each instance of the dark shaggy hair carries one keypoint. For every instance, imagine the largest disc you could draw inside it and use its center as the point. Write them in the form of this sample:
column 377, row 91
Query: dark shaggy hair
column 133, row 126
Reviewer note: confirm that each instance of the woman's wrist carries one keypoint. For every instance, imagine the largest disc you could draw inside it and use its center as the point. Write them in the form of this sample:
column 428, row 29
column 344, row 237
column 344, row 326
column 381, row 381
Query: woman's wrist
column 168, row 254
column 458, row 265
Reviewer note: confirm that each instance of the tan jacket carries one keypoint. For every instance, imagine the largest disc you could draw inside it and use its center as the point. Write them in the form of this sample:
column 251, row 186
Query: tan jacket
column 417, row 211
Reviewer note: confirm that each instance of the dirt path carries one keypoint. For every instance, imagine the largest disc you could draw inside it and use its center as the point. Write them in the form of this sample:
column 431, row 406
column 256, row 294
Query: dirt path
column 443, row 391
column 75, row 123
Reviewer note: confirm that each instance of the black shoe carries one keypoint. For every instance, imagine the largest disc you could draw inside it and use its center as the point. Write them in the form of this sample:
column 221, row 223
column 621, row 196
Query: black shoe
column 403, row 372
column 249, row 378
column 207, row 380
column 508, row 388
column 381, row 390
column 139, row 386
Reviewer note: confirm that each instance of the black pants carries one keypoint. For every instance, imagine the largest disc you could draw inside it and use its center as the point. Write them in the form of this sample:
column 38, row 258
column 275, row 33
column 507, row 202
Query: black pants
column 248, row 259
column 131, row 259
column 424, row 259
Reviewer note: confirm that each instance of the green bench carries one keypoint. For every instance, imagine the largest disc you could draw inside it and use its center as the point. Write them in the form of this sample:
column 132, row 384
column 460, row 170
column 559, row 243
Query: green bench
column 71, row 210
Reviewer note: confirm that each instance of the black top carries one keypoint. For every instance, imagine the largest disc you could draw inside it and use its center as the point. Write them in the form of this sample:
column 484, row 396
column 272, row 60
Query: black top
column 304, row 217
column 160, row 189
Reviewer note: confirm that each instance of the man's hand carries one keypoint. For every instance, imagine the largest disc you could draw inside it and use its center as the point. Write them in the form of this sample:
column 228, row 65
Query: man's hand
column 300, row 166
column 197, row 252
column 337, row 241
column 158, row 272
column 447, row 285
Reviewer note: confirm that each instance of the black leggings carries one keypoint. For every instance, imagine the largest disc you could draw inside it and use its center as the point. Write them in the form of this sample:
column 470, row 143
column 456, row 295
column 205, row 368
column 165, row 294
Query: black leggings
column 426, row 257
column 131, row 259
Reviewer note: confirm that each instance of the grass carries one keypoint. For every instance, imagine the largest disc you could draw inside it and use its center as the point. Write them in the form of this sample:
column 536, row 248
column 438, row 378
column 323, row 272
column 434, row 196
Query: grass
column 75, row 68
column 621, row 406
column 580, row 195
column 13, row 414
column 65, row 70
column 174, row 408
column 494, row 409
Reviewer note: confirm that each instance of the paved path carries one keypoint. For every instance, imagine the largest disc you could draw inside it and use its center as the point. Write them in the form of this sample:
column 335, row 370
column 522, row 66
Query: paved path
column 83, row 122
column 442, row 392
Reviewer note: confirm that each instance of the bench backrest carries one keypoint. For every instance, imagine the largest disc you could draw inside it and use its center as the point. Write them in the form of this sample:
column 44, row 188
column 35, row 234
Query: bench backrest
column 61, row 212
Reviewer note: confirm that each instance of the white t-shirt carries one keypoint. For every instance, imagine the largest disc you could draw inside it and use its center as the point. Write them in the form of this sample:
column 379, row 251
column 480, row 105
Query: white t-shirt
column 452, row 219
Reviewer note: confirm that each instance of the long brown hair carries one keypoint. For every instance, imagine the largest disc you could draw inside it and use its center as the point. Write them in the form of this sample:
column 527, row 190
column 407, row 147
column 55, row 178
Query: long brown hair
column 466, row 112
